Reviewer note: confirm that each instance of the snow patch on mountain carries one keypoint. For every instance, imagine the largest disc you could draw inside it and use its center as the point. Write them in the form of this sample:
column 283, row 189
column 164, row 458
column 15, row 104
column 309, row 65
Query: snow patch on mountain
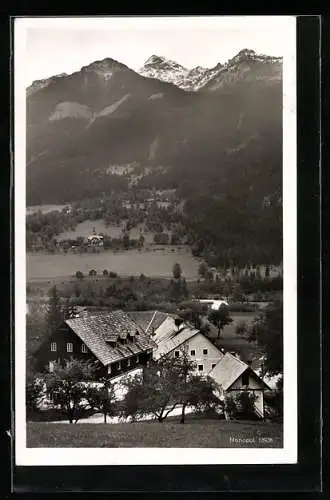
column 156, row 96
column 70, row 110
column 243, row 145
column 108, row 110
column 153, row 148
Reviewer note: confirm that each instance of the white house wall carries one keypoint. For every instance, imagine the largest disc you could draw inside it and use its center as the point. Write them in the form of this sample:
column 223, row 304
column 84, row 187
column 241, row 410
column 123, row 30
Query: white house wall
column 259, row 402
column 253, row 383
column 198, row 343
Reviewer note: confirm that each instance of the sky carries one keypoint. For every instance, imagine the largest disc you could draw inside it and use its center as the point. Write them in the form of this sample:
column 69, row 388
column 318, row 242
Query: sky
column 64, row 45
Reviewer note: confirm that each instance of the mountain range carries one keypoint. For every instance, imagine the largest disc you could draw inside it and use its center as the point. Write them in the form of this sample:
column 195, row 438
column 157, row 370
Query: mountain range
column 213, row 78
column 214, row 133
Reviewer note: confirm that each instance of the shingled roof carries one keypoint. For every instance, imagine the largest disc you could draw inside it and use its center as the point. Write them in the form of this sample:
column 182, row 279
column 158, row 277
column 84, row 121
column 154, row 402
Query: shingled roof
column 96, row 330
column 169, row 337
column 229, row 369
column 148, row 320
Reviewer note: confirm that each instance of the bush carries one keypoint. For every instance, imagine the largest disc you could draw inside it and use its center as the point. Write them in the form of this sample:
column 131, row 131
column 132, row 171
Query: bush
column 241, row 406
column 243, row 307
column 112, row 274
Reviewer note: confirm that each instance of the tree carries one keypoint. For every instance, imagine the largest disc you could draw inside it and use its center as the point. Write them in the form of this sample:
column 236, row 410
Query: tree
column 193, row 312
column 69, row 309
column 161, row 239
column 165, row 385
column 126, row 241
column 241, row 328
column 66, row 387
column 267, row 331
column 156, row 392
column 54, row 311
column 34, row 391
column 202, row 394
column 202, row 269
column 102, row 398
column 175, row 239
column 192, row 389
column 220, row 318
column 141, row 239
column 177, row 271
column 79, row 275
column 105, row 273
column 92, row 273
column 241, row 405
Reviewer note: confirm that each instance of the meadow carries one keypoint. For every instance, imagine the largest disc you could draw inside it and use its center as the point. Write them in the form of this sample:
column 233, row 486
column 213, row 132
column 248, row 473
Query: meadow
column 196, row 433
column 157, row 261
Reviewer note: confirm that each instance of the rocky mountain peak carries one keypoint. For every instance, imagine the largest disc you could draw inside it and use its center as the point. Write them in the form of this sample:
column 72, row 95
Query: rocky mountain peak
column 104, row 65
column 154, row 59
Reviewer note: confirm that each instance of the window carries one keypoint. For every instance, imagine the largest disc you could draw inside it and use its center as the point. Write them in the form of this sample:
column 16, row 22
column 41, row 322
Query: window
column 69, row 347
column 51, row 366
column 128, row 362
column 200, row 368
column 204, row 351
column 193, row 352
column 137, row 359
column 213, row 365
column 109, row 369
column 245, row 378
column 83, row 348
column 119, row 365
column 176, row 354
column 53, row 347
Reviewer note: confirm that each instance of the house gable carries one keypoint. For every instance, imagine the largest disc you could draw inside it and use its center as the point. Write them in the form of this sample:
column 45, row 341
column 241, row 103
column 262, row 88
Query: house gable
column 252, row 379
column 56, row 348
column 205, row 354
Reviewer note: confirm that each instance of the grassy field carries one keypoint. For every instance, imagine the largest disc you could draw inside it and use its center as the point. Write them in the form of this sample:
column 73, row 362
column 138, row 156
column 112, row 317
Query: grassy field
column 193, row 434
column 155, row 262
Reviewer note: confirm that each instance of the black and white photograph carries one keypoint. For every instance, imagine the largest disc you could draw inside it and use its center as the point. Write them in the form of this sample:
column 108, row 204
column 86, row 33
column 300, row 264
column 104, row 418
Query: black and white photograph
column 155, row 250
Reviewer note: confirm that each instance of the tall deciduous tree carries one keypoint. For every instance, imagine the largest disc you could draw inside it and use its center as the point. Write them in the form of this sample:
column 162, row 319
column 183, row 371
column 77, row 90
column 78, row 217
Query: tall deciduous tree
column 54, row 309
column 66, row 387
column 34, row 391
column 220, row 318
column 267, row 331
column 193, row 312
column 102, row 398
column 170, row 383
column 177, row 271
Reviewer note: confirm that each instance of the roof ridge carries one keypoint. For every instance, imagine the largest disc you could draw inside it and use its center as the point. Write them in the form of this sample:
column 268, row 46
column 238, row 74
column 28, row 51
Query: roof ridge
column 236, row 358
column 153, row 317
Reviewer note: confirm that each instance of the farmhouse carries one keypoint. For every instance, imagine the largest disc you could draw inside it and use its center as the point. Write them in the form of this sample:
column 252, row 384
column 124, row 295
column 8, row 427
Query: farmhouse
column 95, row 240
column 112, row 339
column 171, row 339
column 234, row 376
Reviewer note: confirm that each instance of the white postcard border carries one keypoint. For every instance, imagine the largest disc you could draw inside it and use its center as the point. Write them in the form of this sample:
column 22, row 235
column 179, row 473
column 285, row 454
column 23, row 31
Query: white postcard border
column 162, row 456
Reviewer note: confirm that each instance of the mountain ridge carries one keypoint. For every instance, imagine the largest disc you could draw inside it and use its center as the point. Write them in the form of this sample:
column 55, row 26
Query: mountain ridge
column 219, row 146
